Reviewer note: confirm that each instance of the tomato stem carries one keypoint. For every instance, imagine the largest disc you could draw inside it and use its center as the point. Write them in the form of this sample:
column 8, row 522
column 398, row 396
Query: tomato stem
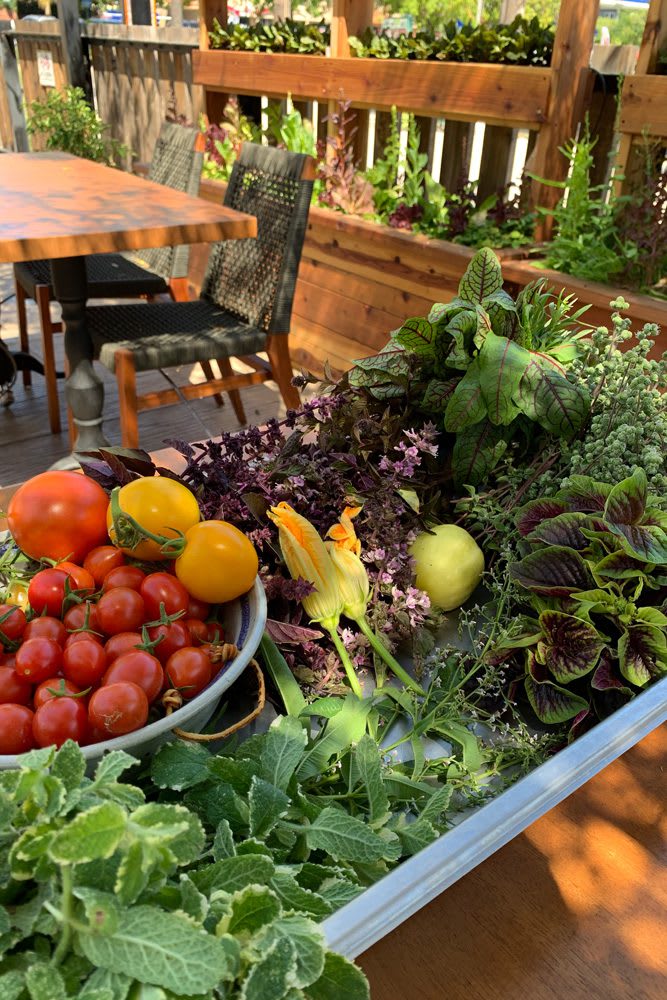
column 128, row 533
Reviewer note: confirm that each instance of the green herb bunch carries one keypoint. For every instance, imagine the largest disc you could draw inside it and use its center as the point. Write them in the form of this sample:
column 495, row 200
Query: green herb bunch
column 67, row 122
column 283, row 36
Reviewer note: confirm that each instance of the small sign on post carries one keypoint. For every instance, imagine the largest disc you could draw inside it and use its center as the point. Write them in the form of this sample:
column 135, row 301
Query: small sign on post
column 45, row 71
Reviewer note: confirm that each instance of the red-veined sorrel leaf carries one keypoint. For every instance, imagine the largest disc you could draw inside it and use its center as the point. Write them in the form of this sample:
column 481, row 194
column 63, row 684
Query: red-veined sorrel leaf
column 642, row 654
column 550, row 702
column 502, row 362
column 466, row 405
column 605, row 677
column 416, row 335
column 563, row 529
column 482, row 277
column 584, row 494
column 555, row 572
column 476, row 452
column 535, row 511
column 392, row 359
column 620, row 566
column 647, row 542
column 546, row 396
column 570, row 648
column 627, row 501
column 440, row 310
column 437, row 395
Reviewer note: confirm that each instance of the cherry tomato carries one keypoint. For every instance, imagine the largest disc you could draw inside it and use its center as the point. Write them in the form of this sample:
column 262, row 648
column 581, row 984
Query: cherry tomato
column 58, row 515
column 74, row 637
column 121, row 643
column 15, row 729
column 162, row 588
column 124, row 576
column 46, row 627
column 14, row 689
column 118, row 708
column 38, row 659
column 80, row 580
column 198, row 631
column 120, row 610
column 172, row 636
column 215, row 633
column 82, row 616
column 198, row 609
column 102, row 560
column 189, row 670
column 12, row 622
column 139, row 667
column 161, row 505
column 58, row 720
column 60, row 685
column 219, row 562
column 46, row 592
column 85, row 663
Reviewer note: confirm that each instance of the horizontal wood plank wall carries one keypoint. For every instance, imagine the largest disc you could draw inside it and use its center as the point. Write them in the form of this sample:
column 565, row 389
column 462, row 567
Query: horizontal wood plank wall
column 31, row 38
column 644, row 105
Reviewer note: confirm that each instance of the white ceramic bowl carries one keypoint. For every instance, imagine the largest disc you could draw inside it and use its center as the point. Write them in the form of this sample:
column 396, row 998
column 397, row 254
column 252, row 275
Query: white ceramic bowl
column 243, row 621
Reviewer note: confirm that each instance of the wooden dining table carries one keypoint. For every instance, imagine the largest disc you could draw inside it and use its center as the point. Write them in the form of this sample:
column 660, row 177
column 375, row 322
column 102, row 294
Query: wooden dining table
column 59, row 207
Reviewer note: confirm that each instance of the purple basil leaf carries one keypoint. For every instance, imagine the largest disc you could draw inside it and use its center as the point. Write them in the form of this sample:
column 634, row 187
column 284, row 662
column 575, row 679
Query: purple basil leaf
column 564, row 529
column 642, row 654
column 257, row 505
column 627, row 501
column 570, row 648
column 605, row 677
column 555, row 572
column 552, row 704
column 286, row 633
column 535, row 511
column 646, row 542
column 584, row 494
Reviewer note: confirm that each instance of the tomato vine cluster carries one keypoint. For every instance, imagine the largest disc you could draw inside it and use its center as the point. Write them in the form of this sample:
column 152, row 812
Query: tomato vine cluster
column 93, row 638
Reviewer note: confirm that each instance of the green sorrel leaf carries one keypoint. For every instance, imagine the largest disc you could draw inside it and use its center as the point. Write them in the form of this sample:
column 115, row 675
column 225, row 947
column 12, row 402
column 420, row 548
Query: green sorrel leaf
column 501, row 366
column 476, row 452
column 416, row 335
column 549, row 398
column 466, row 405
column 483, row 277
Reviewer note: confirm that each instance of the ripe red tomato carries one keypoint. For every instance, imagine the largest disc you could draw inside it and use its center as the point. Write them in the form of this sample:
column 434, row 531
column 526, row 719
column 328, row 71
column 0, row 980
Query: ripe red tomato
column 85, row 663
column 189, row 670
column 102, row 560
column 62, row 687
column 58, row 515
column 139, row 667
column 120, row 610
column 46, row 592
column 121, row 643
column 46, row 627
column 163, row 588
column 38, row 659
column 124, row 576
column 82, row 616
column 15, row 729
column 14, row 689
column 80, row 580
column 118, row 708
column 198, row 631
column 216, row 632
column 12, row 622
column 198, row 609
column 58, row 720
column 74, row 637
column 172, row 636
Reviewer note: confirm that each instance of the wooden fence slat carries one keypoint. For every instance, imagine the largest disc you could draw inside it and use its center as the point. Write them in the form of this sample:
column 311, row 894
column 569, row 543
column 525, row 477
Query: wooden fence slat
column 644, row 105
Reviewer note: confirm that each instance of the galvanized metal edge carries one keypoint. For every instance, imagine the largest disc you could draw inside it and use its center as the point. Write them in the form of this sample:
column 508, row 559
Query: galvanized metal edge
column 385, row 905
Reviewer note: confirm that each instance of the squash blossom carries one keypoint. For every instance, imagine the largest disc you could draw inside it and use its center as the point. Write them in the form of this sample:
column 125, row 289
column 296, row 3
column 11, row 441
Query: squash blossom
column 352, row 580
column 343, row 534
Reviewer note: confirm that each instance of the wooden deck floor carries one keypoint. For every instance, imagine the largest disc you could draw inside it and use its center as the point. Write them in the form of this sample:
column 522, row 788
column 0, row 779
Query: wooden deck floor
column 28, row 447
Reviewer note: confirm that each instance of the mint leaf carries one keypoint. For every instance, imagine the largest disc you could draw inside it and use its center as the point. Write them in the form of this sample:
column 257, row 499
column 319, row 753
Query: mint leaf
column 112, row 765
column 366, row 756
column 159, row 948
column 223, row 842
column 283, row 748
column 133, row 875
column 235, row 873
column 252, row 908
column 44, row 982
column 340, row 978
column 12, row 985
column 348, row 838
column 437, row 803
column 173, row 826
column 295, row 897
column 308, row 941
column 93, row 834
column 273, row 975
column 267, row 804
column 180, row 765
column 416, row 836
column 69, row 766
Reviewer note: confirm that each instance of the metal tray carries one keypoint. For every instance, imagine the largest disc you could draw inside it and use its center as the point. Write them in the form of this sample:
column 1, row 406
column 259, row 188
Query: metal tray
column 382, row 907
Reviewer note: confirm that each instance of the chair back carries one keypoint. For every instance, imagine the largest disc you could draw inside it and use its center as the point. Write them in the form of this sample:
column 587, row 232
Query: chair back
column 255, row 278
column 177, row 163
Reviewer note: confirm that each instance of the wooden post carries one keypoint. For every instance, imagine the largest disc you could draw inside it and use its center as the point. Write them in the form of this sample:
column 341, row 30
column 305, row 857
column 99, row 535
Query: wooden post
column 176, row 14
column 12, row 98
column 210, row 11
column 350, row 17
column 70, row 34
column 566, row 105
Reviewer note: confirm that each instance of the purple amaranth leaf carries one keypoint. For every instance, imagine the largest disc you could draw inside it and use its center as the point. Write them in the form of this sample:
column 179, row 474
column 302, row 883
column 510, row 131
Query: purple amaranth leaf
column 570, row 648
column 646, row 542
column 564, row 529
column 554, row 572
column 605, row 677
column 292, row 634
column 550, row 702
column 534, row 512
column 642, row 654
column 627, row 501
column 584, row 494
column 620, row 566
column 581, row 723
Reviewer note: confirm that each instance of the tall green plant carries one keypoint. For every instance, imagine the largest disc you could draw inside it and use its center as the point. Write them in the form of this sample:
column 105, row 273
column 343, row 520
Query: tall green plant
column 68, row 123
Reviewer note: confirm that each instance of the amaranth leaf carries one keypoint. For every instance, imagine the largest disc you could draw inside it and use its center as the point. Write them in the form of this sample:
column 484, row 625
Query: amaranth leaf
column 570, row 648
column 627, row 501
column 535, row 512
column 550, row 702
column 554, row 572
column 642, row 654
column 564, row 529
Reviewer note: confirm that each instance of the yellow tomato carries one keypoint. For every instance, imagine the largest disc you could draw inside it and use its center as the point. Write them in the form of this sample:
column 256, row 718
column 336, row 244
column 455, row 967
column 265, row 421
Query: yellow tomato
column 17, row 593
column 160, row 505
column 448, row 565
column 219, row 562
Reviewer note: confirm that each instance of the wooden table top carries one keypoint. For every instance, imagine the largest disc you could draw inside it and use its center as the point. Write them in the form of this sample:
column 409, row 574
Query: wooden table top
column 57, row 205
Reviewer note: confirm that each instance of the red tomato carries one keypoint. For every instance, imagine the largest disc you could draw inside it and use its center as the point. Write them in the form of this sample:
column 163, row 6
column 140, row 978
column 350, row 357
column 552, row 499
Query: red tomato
column 139, row 667
column 124, row 576
column 60, row 685
column 85, row 663
column 189, row 670
column 12, row 622
column 14, row 689
column 15, row 729
column 46, row 592
column 38, row 659
column 80, row 580
column 216, row 632
column 120, row 610
column 58, row 515
column 118, row 708
column 121, row 643
column 172, row 636
column 58, row 720
column 82, row 616
column 162, row 588
column 75, row 637
column 198, row 609
column 46, row 628
column 102, row 560
column 198, row 631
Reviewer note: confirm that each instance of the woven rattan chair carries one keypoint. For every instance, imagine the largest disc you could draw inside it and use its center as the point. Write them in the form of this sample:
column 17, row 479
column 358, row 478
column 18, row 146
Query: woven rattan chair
column 245, row 306
column 177, row 163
